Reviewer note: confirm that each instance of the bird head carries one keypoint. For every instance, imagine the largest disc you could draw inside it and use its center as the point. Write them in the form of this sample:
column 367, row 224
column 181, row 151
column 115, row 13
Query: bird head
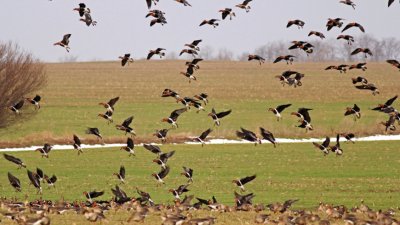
column 156, row 161
column 154, row 175
column 164, row 120
column 102, row 103
column 271, row 109
column 294, row 114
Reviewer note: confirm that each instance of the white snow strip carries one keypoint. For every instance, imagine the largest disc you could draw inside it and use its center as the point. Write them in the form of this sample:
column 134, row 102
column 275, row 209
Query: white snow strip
column 213, row 142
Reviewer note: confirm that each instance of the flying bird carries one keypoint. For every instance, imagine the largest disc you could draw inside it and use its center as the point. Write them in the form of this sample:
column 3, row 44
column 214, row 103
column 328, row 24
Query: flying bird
column 153, row 148
column 64, row 42
column 256, row 57
column 305, row 118
column 217, row 116
column 179, row 191
column 366, row 52
column 394, row 63
column 288, row 58
column 14, row 182
column 278, row 110
column 35, row 101
column 17, row 107
column 51, row 181
column 370, row 87
column 125, row 126
column 174, row 117
column 298, row 23
column 203, row 136
column 45, row 150
column 248, row 136
column 227, row 12
column 126, row 59
column 14, row 160
column 349, row 2
column 203, row 97
column 161, row 175
column 194, row 45
column 35, row 181
column 245, row 5
column 337, row 22
column 348, row 38
column 92, row 194
column 77, row 144
column 360, row 66
column 163, row 159
column 341, row 68
column 183, row 2
column 149, row 2
column 188, row 173
column 95, row 131
column 194, row 63
column 359, row 80
column 387, row 106
column 82, row 9
column 110, row 104
column 353, row 24
column 348, row 136
column 356, row 111
column 121, row 174
column 324, row 147
column 158, row 51
column 88, row 20
column 316, row 33
column 189, row 74
column 212, row 22
column 161, row 134
column 129, row 147
column 336, row 148
column 107, row 116
column 267, row 135
column 241, row 182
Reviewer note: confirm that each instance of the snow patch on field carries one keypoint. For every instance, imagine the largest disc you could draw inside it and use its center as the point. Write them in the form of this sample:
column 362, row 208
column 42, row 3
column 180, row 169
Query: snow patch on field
column 214, row 142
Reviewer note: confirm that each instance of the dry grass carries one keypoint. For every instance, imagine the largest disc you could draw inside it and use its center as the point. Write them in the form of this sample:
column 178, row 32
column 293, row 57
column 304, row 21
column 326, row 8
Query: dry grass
column 74, row 90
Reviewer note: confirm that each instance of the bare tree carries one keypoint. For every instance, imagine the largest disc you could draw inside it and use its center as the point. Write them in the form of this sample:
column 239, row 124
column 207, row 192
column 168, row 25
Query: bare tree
column 21, row 75
column 225, row 54
column 207, row 52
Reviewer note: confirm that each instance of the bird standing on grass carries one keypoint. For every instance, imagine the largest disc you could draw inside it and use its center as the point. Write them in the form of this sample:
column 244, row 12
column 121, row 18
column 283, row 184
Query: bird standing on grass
column 241, row 182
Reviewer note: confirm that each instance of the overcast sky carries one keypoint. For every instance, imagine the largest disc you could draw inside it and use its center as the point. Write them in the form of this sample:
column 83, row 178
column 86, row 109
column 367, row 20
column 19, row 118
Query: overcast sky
column 122, row 27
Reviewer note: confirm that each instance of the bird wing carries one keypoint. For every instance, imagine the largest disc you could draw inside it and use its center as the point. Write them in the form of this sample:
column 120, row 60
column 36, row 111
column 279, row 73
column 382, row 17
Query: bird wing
column 278, row 59
column 66, row 39
column 164, row 172
column 246, row 2
column 19, row 104
column 12, row 159
column 39, row 172
column 337, row 139
column 130, row 143
column 356, row 108
column 202, row 23
column 356, row 51
column 127, row 122
column 150, row 55
column 33, row 179
column 196, row 42
column 122, row 171
column 174, row 115
column 203, row 201
column 390, row 101
column 113, row 101
column 247, row 179
column 95, row 194
column 360, row 26
column 13, row 180
column 166, row 155
column 390, row 2
column 153, row 148
column 326, row 142
column 225, row 14
column 195, row 61
column 77, row 140
column 290, row 23
column 348, row 26
column 189, row 70
column 148, row 3
column 205, row 134
column 223, row 114
column 393, row 62
column 37, row 98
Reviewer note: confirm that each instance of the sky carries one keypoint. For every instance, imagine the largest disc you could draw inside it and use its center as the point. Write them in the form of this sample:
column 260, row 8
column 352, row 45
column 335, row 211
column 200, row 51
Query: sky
column 122, row 27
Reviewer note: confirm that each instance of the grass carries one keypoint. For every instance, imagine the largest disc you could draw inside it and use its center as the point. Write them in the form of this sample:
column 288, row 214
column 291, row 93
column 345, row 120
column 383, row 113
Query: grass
column 70, row 101
column 367, row 170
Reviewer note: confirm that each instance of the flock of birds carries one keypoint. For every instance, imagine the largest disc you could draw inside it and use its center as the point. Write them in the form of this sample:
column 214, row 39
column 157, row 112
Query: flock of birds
column 142, row 205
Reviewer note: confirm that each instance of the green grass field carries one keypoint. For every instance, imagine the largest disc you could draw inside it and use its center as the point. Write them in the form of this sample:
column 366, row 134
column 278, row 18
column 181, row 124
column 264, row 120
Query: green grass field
column 70, row 100
column 367, row 170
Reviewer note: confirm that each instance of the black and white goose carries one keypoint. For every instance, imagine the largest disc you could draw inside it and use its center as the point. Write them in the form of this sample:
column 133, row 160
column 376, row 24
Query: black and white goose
column 126, row 59
column 248, row 136
column 17, row 107
column 45, row 150
column 188, row 173
column 64, row 42
column 161, row 175
column 107, row 116
column 121, row 174
column 129, row 147
column 370, row 87
column 390, row 123
column 241, row 182
column 217, row 116
column 194, row 63
column 203, row 137
column 348, row 38
column 110, row 104
column 203, row 97
column 35, row 101
column 245, row 5
column 324, row 147
column 95, row 131
column 336, row 148
column 227, row 12
column 359, row 79
column 189, row 74
column 356, row 111
column 77, row 144
column 305, row 118
column 14, row 182
column 288, row 58
column 267, row 135
column 35, row 181
column 387, row 106
column 92, row 194
column 158, row 51
column 161, row 134
column 348, row 2
column 179, row 191
column 278, row 110
column 174, row 117
column 163, row 159
column 14, row 160
column 51, row 181
column 125, row 126
column 194, row 45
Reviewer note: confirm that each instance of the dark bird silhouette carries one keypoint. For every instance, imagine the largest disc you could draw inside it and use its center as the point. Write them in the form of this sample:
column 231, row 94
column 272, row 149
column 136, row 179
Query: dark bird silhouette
column 241, row 182
column 217, row 116
column 390, row 2
column 45, row 150
column 110, row 104
column 95, row 131
column 248, row 136
column 174, row 117
column 107, row 116
column 64, row 42
column 359, row 80
column 370, row 87
column 153, row 148
column 394, row 63
column 227, row 12
column 190, row 52
column 17, row 107
column 92, row 194
column 160, row 20
column 121, row 174
column 305, row 118
column 34, row 181
column 360, row 66
column 194, row 45
column 324, row 146
column 278, row 110
column 203, row 137
column 35, row 101
column 40, row 174
column 353, row 24
column 14, row 182
column 267, row 135
column 129, row 147
column 303, row 45
column 334, row 23
column 161, row 134
column 82, row 9
column 387, row 106
column 245, row 5
column 348, row 38
column 14, row 160
column 77, row 144
column 120, row 195
column 286, row 78
column 348, row 136
column 336, row 148
column 125, row 126
column 163, row 159
column 161, row 175
column 316, row 33
column 188, row 173
column 212, row 22
column 349, row 2
column 298, row 23
column 183, row 2
column 158, row 51
column 256, row 57
column 126, row 59
column 287, row 58
column 170, row 93
column 366, row 52
column 356, row 111
column 149, row 2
